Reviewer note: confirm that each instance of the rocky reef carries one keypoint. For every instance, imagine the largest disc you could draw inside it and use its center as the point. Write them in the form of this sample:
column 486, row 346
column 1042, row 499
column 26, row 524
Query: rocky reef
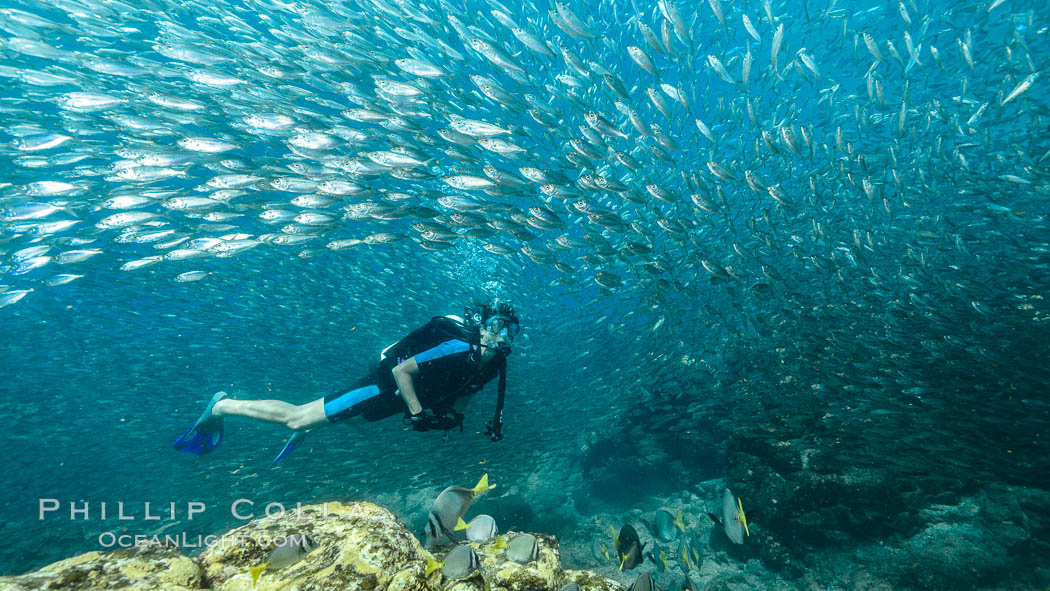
column 360, row 547
column 839, row 495
column 150, row 567
column 825, row 509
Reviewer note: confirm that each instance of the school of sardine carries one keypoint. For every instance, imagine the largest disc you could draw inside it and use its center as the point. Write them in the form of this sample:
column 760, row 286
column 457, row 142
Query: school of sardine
column 894, row 156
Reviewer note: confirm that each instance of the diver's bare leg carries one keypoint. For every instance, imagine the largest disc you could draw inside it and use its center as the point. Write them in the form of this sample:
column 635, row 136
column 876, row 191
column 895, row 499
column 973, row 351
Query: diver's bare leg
column 297, row 417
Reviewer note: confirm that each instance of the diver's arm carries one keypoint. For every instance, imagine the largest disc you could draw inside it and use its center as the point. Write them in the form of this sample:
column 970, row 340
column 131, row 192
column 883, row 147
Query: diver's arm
column 404, row 376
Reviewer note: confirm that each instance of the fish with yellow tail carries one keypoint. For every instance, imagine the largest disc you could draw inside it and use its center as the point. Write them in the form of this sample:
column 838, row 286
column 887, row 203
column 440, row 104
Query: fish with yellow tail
column 663, row 526
column 481, row 529
column 448, row 508
column 460, row 563
column 628, row 547
column 291, row 550
column 733, row 521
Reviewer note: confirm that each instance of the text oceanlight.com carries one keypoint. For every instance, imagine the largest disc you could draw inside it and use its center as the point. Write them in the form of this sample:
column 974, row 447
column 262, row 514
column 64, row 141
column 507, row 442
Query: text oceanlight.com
column 124, row 540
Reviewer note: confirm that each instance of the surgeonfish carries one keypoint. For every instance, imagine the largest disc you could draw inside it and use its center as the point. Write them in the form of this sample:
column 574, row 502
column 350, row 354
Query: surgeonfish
column 664, row 527
column 291, row 550
column 461, row 562
column 481, row 529
column 629, row 548
column 644, row 582
column 448, row 508
column 733, row 520
column 523, row 548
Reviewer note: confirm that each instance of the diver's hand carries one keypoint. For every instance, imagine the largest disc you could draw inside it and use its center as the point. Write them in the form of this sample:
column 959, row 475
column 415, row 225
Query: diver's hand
column 427, row 419
column 495, row 432
column 421, row 421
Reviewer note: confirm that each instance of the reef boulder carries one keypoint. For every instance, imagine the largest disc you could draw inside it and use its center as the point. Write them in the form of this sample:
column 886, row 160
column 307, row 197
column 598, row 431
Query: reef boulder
column 503, row 574
column 359, row 547
column 145, row 568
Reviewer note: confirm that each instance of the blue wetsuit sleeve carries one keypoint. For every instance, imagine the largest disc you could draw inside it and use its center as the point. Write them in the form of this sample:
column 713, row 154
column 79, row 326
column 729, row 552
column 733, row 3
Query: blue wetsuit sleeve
column 443, row 350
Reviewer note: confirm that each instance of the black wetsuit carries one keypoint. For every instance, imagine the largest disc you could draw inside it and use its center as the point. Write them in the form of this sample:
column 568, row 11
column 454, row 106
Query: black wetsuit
column 448, row 354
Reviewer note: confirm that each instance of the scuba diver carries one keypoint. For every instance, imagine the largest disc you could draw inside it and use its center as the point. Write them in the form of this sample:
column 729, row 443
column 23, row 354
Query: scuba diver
column 430, row 375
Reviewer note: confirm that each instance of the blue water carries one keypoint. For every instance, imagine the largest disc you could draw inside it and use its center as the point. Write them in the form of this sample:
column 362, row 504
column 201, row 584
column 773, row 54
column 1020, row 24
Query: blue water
column 854, row 343
column 100, row 385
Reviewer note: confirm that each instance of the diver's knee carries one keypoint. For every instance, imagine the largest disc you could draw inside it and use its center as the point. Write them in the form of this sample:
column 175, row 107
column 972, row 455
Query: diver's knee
column 304, row 417
column 296, row 421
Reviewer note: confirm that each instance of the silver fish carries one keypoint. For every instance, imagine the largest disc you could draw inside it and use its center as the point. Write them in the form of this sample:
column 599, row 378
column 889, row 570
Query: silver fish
column 460, row 563
column 523, row 548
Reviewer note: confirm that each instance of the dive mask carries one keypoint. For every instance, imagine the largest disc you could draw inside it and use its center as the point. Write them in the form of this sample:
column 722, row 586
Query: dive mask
column 503, row 326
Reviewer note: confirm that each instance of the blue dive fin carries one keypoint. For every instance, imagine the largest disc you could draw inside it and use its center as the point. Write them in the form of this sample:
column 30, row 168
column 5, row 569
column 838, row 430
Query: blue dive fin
column 198, row 443
column 295, row 441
